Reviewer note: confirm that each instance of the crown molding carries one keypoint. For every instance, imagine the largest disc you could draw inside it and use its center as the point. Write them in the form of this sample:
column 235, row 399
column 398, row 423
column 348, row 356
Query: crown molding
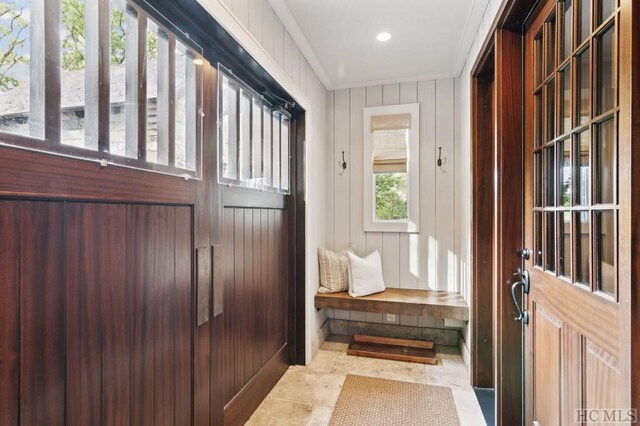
column 464, row 47
column 291, row 25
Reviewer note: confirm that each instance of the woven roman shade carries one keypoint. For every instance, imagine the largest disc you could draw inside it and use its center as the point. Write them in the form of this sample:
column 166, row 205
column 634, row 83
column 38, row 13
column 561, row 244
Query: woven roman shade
column 390, row 133
column 390, row 151
column 391, row 122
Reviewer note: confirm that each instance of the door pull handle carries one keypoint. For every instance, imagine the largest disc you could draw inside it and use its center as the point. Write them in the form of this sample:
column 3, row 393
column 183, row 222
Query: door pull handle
column 525, row 278
column 523, row 315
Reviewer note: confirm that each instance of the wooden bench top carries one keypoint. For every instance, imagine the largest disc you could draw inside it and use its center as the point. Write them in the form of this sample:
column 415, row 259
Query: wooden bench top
column 400, row 301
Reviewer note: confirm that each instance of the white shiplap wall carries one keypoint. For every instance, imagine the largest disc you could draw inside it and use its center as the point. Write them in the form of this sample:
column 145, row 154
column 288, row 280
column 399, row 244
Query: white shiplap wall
column 257, row 27
column 463, row 173
column 427, row 260
column 463, row 141
column 438, row 257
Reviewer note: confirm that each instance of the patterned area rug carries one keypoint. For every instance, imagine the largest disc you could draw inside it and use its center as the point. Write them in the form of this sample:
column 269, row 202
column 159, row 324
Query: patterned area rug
column 370, row 401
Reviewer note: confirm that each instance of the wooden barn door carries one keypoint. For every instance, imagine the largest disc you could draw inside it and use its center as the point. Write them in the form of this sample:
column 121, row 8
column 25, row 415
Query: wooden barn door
column 97, row 313
column 576, row 349
column 98, row 296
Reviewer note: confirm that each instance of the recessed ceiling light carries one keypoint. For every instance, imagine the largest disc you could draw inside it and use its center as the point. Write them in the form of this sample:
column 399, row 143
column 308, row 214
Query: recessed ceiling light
column 384, row 36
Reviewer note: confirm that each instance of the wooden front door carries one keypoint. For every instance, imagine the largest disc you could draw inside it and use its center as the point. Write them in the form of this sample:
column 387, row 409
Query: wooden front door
column 576, row 341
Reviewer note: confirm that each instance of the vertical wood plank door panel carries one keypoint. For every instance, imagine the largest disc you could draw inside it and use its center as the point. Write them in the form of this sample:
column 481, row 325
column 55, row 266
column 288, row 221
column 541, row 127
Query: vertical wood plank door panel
column 184, row 316
column 547, row 385
column 117, row 309
column 143, row 246
column 9, row 314
column 42, row 313
column 84, row 313
column 256, row 310
column 96, row 314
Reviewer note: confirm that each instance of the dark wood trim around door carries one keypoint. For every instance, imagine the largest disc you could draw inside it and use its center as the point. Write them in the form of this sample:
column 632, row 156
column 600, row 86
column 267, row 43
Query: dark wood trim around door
column 298, row 320
column 629, row 178
column 482, row 226
column 502, row 50
column 509, row 225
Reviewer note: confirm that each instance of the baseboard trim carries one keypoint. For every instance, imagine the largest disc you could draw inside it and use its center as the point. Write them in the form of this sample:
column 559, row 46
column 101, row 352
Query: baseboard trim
column 319, row 338
column 242, row 406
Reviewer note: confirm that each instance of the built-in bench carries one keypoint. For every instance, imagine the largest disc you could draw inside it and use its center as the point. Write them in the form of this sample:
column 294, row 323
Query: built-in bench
column 400, row 301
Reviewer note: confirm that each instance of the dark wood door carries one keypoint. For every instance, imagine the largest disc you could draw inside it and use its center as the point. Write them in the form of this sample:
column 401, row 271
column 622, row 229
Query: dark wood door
column 576, row 349
column 96, row 314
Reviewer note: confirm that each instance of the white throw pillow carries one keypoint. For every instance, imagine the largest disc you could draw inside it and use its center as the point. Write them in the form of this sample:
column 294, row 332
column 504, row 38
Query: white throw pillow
column 365, row 275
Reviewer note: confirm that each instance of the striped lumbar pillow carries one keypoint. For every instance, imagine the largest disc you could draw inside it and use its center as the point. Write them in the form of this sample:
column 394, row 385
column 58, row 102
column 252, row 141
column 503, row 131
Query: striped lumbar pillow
column 333, row 271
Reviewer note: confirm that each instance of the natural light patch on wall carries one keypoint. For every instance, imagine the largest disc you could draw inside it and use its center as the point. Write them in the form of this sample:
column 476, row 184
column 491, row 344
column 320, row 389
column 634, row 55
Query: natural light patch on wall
column 452, row 272
column 414, row 254
column 433, row 263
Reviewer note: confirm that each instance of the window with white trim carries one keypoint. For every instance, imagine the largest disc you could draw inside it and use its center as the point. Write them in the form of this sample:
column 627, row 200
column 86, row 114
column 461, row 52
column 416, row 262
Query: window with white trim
column 391, row 173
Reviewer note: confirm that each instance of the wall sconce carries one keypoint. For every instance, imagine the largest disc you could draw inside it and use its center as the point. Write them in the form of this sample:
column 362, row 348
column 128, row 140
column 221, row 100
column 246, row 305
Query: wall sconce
column 342, row 164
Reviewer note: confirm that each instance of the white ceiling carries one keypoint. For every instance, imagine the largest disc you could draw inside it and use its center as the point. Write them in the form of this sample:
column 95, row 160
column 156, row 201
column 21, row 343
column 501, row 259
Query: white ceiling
column 430, row 38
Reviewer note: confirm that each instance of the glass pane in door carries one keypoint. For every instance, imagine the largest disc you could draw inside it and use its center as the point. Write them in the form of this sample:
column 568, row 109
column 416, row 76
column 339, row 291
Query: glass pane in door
column 537, row 164
column 550, row 38
column 567, row 28
column 564, row 173
column 538, row 119
column 605, row 163
column 550, row 175
column 564, row 226
column 583, row 163
column 583, row 244
column 605, row 9
column 565, row 100
column 538, row 52
column 550, row 115
column 605, row 255
column 605, row 90
column 585, row 20
column 537, row 231
column 550, row 237
column 583, row 97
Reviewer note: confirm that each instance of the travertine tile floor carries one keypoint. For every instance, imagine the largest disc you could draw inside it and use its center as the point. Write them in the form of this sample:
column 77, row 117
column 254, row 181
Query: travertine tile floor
column 306, row 395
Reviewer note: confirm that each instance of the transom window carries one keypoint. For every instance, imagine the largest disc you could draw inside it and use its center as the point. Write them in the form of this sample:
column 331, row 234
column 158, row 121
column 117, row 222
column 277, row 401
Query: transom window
column 254, row 138
column 576, row 135
column 100, row 80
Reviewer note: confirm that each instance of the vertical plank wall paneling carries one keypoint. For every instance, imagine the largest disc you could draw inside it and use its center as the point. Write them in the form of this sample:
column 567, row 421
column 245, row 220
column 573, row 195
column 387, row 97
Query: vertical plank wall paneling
column 342, row 184
column 390, row 240
column 256, row 13
column 278, row 42
column 262, row 23
column 445, row 185
column 408, row 253
column 268, row 17
column 373, row 239
column 427, row 260
column 357, row 237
